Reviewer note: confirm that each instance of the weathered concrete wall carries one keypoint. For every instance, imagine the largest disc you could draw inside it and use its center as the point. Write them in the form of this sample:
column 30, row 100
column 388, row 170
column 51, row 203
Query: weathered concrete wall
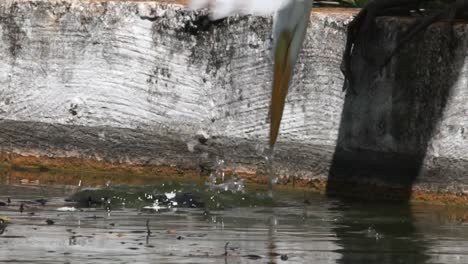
column 407, row 123
column 151, row 83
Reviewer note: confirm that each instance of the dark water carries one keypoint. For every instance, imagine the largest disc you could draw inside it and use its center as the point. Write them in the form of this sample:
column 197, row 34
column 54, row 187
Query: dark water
column 289, row 229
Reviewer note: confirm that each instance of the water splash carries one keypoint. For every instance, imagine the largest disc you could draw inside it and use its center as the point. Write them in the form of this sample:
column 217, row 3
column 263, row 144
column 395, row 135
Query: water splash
column 168, row 201
column 216, row 182
column 268, row 155
column 217, row 175
column 155, row 206
column 272, row 178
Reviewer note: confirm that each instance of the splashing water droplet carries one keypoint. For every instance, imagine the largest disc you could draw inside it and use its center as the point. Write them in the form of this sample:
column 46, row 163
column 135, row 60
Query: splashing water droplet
column 216, row 181
column 259, row 149
column 218, row 172
column 272, row 179
column 170, row 195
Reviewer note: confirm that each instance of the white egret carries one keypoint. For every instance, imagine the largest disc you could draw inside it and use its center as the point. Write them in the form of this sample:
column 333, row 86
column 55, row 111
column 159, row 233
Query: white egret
column 289, row 28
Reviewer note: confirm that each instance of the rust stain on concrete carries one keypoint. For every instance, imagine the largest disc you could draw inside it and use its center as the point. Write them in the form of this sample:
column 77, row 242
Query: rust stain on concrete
column 67, row 171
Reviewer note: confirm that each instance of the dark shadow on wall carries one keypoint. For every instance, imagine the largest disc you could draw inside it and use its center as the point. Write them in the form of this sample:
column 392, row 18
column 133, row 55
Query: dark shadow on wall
column 385, row 131
column 387, row 124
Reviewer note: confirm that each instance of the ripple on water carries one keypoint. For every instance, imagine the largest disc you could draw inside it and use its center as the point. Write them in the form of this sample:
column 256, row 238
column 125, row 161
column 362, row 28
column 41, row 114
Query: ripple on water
column 323, row 231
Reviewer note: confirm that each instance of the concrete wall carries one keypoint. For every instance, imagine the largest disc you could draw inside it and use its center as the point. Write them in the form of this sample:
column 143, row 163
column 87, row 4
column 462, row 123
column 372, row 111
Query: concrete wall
column 152, row 83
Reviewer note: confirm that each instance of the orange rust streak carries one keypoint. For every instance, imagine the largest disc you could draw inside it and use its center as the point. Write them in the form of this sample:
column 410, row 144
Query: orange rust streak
column 45, row 164
column 68, row 170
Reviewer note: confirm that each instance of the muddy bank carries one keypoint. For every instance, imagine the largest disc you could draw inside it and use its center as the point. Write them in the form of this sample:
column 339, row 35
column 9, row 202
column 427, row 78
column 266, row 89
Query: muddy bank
column 153, row 84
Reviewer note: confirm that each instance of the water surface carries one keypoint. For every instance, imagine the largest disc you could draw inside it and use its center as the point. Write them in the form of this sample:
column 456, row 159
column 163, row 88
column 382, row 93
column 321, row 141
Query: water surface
column 228, row 228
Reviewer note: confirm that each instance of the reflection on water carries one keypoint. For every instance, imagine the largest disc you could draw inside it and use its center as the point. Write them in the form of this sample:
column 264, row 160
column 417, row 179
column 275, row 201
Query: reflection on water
column 286, row 231
column 383, row 233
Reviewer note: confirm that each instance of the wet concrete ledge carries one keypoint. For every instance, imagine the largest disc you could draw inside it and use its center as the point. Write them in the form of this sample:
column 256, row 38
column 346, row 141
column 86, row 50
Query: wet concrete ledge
column 147, row 83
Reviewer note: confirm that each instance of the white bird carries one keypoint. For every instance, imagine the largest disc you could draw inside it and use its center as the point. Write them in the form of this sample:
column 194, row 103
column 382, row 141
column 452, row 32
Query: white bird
column 289, row 28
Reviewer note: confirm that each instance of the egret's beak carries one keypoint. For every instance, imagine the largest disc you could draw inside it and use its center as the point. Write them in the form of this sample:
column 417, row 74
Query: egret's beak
column 289, row 30
column 281, row 76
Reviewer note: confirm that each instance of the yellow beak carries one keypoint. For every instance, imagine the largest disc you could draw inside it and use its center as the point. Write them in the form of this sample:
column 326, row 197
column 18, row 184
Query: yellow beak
column 281, row 77
column 289, row 30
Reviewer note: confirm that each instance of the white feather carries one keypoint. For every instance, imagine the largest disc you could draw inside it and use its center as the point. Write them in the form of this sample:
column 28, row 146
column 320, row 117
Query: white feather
column 291, row 15
column 223, row 8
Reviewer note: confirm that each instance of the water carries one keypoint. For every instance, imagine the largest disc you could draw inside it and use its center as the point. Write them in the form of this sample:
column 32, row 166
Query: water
column 217, row 181
column 242, row 227
column 272, row 179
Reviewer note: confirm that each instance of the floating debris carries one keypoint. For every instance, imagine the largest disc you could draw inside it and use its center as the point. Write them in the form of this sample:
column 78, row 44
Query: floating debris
column 170, row 195
column 42, row 201
column 67, row 209
column 139, row 197
column 50, row 222
column 252, row 256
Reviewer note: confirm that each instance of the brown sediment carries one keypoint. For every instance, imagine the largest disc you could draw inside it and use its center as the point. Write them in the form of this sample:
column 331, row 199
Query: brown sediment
column 46, row 163
column 68, row 171
column 439, row 198
column 390, row 193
